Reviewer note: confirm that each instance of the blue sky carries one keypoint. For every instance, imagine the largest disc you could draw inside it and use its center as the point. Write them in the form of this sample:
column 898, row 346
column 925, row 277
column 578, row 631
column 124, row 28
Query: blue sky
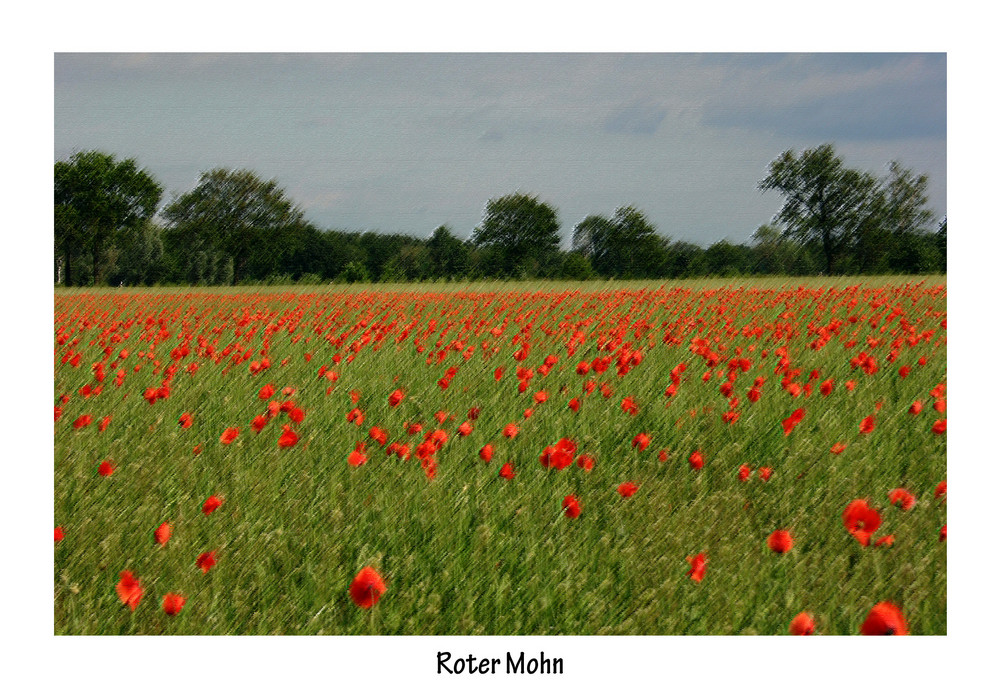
column 407, row 142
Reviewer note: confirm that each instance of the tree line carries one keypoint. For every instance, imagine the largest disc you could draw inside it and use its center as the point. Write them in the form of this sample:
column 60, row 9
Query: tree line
column 236, row 228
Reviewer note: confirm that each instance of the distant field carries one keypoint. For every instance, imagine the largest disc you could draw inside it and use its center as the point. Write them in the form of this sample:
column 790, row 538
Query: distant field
column 343, row 428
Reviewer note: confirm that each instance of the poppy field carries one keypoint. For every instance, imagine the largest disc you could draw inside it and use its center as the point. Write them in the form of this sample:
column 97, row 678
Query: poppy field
column 680, row 459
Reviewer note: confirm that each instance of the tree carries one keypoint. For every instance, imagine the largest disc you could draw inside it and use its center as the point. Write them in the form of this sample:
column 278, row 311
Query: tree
column 941, row 241
column 825, row 203
column 773, row 253
column 590, row 235
column 906, row 200
column 96, row 197
column 139, row 258
column 626, row 245
column 247, row 219
column 523, row 230
column 725, row 259
column 449, row 256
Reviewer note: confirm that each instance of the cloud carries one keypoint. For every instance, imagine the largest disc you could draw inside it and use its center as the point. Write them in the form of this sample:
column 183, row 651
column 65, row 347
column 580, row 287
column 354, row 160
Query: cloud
column 638, row 119
column 850, row 97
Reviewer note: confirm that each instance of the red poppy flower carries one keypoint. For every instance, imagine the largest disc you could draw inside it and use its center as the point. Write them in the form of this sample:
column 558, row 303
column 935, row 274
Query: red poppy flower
column 173, row 603
column 867, row 425
column 697, row 571
column 571, row 507
column 902, row 497
column 941, row 489
column 886, row 541
column 940, row 426
column 789, row 423
column 861, row 520
column 378, row 434
column 627, row 489
column 916, row 407
column 574, row 404
column 211, row 503
column 486, row 453
column 197, row 449
column 510, row 431
column 82, row 421
column 826, row 388
column 498, row 373
column 266, row 392
column 229, row 435
column 367, row 587
column 850, row 384
column 357, row 456
column 838, row 448
column 765, row 473
column 641, row 441
column 802, row 624
column 696, row 460
column 103, row 424
column 129, row 590
column 106, row 468
column 206, row 561
column 630, row 406
column 465, row 429
column 663, row 455
column 780, row 541
column 162, row 534
column 59, row 534
column 744, row 473
column 586, row 462
column 943, row 534
column 940, row 405
column 185, row 420
column 288, row 391
column 507, row 471
column 884, row 619
column 288, row 438
column 296, row 415
column 259, row 423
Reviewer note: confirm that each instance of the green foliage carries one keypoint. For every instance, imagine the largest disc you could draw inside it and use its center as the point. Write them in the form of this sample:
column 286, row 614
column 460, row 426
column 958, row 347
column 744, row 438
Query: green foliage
column 856, row 221
column 237, row 213
column 236, row 228
column 448, row 255
column 577, row 267
column 523, row 230
column 625, row 246
column 97, row 198
column 354, row 271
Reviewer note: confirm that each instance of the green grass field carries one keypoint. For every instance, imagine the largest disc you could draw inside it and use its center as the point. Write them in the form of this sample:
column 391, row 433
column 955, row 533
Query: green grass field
column 461, row 549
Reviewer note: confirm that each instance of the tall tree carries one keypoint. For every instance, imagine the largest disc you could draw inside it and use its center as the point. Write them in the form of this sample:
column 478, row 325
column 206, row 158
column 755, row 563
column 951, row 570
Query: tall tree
column 906, row 200
column 523, row 230
column 626, row 245
column 96, row 197
column 825, row 203
column 448, row 254
column 238, row 213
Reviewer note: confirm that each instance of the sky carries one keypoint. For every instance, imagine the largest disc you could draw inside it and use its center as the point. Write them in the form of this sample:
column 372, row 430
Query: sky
column 406, row 142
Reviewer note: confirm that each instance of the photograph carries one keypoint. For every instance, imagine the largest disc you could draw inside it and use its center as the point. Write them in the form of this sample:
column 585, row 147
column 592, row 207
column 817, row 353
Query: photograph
column 500, row 349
